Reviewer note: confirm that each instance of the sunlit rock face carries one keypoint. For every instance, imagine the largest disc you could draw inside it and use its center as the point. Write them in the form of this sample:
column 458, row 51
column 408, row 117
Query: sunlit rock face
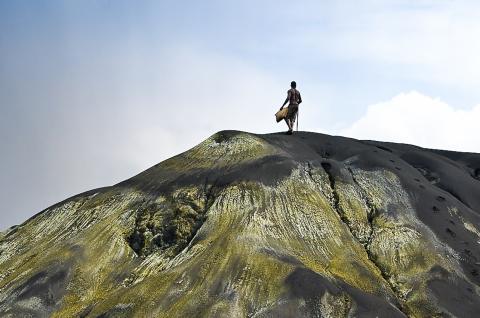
column 246, row 225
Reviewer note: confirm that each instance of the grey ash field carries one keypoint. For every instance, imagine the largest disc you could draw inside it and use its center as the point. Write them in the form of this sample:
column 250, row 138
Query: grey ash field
column 247, row 225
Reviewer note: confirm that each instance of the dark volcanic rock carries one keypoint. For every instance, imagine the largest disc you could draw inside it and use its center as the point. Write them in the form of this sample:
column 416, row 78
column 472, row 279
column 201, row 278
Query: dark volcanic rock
column 246, row 225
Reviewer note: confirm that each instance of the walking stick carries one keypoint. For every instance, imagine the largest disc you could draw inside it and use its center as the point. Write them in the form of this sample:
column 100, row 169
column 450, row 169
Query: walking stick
column 297, row 119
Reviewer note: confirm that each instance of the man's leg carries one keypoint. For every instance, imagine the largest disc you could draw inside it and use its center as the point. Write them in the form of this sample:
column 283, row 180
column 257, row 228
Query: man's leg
column 290, row 127
column 293, row 119
column 288, row 123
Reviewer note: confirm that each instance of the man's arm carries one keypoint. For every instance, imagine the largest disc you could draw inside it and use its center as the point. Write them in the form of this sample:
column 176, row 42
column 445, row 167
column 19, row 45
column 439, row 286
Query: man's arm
column 286, row 100
column 299, row 98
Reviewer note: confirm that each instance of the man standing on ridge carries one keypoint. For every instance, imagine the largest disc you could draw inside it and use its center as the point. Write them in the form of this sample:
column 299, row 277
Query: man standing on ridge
column 294, row 99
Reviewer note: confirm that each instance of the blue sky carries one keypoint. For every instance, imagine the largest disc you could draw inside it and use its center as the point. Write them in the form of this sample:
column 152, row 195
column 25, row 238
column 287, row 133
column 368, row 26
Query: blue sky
column 93, row 92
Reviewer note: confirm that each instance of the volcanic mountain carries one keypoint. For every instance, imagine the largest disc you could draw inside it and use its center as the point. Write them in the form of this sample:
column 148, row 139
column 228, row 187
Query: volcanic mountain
column 246, row 225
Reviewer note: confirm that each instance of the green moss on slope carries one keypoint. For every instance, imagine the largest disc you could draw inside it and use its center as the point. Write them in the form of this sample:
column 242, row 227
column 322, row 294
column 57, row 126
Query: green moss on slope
column 223, row 149
column 199, row 249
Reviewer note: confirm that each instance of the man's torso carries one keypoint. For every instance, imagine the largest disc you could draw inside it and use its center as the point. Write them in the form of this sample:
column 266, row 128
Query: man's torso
column 294, row 96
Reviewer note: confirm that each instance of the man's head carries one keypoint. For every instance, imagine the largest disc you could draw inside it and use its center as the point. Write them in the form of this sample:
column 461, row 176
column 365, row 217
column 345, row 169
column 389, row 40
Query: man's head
column 293, row 84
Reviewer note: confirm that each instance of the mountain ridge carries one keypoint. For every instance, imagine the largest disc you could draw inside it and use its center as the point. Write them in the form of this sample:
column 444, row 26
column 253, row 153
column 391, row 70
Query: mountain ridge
column 260, row 225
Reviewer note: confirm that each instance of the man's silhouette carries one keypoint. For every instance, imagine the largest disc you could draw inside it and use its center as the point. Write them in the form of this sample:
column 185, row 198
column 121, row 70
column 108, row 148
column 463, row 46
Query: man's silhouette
column 294, row 99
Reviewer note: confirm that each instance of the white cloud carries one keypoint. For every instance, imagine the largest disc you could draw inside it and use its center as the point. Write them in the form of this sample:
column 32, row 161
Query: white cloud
column 421, row 120
column 431, row 41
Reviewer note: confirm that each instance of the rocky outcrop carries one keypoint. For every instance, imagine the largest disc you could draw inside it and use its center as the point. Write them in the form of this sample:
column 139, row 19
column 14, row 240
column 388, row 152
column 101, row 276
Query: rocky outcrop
column 246, row 225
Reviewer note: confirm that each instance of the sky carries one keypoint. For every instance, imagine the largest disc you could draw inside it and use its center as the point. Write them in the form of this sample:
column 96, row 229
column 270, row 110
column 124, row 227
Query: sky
column 94, row 92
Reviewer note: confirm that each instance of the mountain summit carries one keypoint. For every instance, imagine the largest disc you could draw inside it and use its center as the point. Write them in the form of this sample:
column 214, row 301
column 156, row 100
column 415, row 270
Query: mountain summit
column 247, row 225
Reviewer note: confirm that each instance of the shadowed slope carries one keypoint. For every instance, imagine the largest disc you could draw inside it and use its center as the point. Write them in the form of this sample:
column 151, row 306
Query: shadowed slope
column 260, row 225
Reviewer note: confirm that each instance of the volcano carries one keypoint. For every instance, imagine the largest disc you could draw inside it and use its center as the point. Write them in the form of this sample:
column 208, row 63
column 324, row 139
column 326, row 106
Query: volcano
column 246, row 225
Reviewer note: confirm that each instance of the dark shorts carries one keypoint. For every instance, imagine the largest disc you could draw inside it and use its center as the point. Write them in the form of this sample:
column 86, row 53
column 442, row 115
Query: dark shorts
column 292, row 111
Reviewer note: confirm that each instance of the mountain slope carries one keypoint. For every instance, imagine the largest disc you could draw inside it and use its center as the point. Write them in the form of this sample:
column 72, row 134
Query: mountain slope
column 260, row 226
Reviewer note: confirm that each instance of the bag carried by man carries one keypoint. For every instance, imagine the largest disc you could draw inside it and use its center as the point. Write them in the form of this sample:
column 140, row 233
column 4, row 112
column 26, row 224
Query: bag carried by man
column 281, row 114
